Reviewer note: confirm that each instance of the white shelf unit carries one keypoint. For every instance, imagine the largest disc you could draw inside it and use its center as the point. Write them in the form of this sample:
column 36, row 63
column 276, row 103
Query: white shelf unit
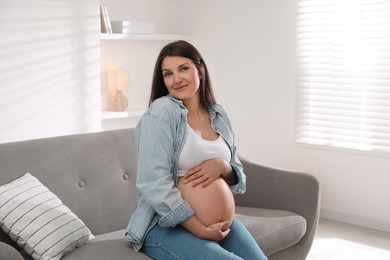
column 122, row 114
column 147, row 37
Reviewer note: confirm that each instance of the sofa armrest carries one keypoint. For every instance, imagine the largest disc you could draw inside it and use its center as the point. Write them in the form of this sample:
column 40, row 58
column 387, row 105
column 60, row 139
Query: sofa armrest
column 7, row 252
column 283, row 190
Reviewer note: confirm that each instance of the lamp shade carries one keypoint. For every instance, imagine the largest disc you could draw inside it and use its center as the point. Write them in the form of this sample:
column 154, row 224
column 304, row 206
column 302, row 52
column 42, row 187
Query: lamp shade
column 118, row 79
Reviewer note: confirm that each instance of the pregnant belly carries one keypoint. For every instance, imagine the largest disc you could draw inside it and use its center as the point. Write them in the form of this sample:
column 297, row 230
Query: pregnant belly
column 212, row 204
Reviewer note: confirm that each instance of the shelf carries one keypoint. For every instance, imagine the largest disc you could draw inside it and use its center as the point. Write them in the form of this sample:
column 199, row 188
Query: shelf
column 157, row 37
column 122, row 114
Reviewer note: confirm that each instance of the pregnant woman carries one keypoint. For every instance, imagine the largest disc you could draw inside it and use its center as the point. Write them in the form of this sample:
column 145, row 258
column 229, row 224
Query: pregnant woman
column 188, row 168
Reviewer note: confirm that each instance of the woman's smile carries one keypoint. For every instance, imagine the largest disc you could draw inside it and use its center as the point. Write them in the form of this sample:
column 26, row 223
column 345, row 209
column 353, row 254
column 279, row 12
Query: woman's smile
column 179, row 88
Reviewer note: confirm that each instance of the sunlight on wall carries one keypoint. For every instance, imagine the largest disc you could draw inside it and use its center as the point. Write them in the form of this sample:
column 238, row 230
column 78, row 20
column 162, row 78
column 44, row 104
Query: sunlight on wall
column 50, row 68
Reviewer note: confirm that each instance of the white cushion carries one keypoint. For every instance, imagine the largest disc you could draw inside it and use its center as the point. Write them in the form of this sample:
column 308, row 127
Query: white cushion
column 37, row 220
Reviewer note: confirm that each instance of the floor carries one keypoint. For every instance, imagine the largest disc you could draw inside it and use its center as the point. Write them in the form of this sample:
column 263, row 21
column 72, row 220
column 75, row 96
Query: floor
column 335, row 240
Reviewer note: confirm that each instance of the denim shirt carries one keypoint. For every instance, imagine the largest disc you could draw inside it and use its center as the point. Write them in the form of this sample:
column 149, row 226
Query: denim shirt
column 160, row 136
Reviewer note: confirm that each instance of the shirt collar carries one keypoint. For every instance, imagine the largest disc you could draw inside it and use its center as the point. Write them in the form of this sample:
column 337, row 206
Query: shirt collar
column 213, row 110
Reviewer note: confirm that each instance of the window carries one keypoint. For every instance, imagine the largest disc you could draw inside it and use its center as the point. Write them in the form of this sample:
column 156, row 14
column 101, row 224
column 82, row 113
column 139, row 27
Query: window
column 343, row 74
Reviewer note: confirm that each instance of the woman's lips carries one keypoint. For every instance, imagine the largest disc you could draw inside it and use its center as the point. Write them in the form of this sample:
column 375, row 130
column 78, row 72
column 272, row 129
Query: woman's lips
column 180, row 87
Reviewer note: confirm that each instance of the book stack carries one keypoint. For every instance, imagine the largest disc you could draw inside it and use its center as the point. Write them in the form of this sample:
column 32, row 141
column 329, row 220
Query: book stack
column 105, row 24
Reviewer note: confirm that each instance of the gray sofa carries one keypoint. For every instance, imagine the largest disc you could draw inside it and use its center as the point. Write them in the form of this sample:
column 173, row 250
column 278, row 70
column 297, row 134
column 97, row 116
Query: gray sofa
column 94, row 175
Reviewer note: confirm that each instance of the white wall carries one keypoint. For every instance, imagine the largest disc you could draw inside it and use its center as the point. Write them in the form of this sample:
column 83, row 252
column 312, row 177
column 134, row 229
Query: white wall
column 249, row 47
column 50, row 68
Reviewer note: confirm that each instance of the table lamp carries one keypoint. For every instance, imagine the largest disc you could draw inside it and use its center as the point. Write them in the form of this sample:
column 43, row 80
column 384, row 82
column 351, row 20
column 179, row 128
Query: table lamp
column 118, row 80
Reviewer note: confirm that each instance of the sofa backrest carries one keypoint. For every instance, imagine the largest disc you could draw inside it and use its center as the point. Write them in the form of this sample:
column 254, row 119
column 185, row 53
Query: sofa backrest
column 93, row 174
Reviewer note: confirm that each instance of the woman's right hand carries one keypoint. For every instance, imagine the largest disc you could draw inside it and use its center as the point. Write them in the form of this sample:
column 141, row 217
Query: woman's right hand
column 218, row 231
column 215, row 232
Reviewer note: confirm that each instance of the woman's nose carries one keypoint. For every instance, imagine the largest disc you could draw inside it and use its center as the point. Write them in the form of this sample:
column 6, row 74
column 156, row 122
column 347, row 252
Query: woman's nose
column 177, row 77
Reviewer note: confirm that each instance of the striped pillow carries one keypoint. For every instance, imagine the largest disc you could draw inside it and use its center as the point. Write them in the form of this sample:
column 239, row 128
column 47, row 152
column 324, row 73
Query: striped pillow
column 37, row 220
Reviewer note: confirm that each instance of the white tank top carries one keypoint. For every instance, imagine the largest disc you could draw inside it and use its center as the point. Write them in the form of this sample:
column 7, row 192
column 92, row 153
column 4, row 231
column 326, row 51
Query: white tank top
column 197, row 150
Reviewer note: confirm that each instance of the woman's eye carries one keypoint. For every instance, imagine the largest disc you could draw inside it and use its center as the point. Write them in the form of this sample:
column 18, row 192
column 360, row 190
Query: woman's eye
column 167, row 74
column 183, row 68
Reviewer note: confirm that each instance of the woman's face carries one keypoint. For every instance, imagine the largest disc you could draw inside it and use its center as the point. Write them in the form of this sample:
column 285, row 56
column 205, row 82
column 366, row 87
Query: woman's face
column 181, row 77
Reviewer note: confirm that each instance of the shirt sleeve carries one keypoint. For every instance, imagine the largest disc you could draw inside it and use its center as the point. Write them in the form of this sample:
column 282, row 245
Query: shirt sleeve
column 155, row 137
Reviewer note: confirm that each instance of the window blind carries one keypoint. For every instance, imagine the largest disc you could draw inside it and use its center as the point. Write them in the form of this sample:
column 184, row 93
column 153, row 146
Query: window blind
column 343, row 74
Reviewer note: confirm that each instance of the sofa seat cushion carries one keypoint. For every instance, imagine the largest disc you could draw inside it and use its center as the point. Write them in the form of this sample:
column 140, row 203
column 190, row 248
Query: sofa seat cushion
column 107, row 247
column 7, row 252
column 273, row 230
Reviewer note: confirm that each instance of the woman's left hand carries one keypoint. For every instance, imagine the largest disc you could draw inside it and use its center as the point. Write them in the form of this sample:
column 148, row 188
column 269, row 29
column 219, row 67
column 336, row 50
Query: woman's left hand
column 207, row 172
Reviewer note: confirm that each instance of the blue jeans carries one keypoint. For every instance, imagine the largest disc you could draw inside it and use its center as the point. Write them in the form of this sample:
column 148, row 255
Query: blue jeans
column 177, row 243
